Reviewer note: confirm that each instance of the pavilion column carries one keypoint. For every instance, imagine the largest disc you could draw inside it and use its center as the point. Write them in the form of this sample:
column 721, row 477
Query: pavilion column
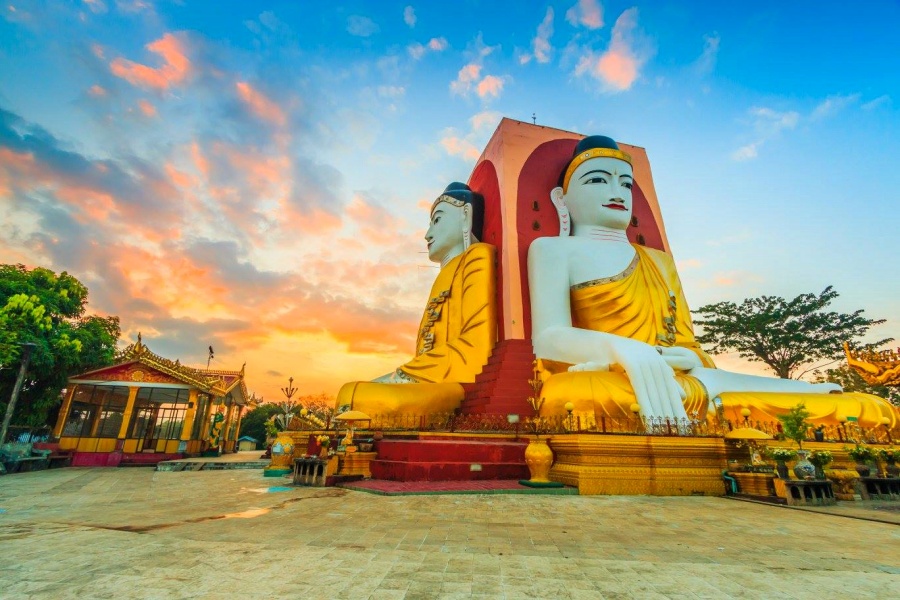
column 126, row 416
column 223, row 439
column 189, row 416
column 64, row 413
column 237, row 425
column 211, row 409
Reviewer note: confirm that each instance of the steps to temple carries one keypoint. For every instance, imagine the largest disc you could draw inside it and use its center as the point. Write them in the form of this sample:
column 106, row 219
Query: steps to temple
column 450, row 458
column 424, row 488
column 502, row 386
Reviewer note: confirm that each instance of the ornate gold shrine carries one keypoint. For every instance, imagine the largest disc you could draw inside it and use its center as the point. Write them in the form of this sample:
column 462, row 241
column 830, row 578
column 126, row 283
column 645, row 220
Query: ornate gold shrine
column 876, row 367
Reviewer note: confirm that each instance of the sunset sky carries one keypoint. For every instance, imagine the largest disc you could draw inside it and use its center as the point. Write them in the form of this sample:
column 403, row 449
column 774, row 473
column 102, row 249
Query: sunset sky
column 257, row 177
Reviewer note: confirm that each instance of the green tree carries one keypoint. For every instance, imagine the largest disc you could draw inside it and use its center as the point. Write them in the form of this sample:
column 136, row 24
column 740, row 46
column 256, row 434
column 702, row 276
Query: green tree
column 849, row 379
column 254, row 422
column 790, row 336
column 47, row 309
column 795, row 424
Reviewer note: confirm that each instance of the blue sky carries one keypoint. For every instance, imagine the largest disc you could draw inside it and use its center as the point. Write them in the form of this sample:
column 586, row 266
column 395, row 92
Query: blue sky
column 253, row 175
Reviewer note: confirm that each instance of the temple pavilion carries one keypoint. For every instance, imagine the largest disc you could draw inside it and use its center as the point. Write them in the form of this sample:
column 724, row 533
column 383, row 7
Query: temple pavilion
column 145, row 408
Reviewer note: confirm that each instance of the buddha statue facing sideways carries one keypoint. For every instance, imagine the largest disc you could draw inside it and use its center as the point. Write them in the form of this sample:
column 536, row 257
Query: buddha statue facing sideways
column 459, row 324
column 611, row 326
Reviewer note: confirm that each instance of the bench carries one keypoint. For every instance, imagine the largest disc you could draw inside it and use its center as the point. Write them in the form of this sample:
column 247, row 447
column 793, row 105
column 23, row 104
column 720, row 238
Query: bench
column 879, row 488
column 19, row 457
column 805, row 492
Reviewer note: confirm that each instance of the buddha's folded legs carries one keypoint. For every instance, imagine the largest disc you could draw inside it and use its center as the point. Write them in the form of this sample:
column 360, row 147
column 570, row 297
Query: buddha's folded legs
column 824, row 409
column 609, row 394
column 394, row 400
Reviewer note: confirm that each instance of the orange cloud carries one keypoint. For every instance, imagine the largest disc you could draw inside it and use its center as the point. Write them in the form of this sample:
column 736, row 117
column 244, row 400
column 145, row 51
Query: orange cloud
column 619, row 67
column 97, row 91
column 468, row 75
column 489, row 86
column 459, row 147
column 260, row 105
column 175, row 70
column 199, row 159
column 148, row 109
column 437, row 44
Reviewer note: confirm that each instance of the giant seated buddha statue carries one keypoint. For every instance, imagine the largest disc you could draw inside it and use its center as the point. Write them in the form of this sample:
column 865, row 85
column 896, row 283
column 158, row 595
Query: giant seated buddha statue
column 459, row 324
column 612, row 329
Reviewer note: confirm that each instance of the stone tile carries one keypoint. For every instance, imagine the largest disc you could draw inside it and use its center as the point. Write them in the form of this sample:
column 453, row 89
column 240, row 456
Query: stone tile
column 113, row 533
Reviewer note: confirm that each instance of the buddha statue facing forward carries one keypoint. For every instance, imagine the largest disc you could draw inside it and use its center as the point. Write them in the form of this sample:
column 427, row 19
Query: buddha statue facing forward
column 611, row 327
column 459, row 324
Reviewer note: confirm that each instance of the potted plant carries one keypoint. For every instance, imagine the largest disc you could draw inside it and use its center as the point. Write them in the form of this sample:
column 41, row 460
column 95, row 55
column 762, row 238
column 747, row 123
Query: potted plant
column 781, row 456
column 538, row 455
column 891, row 456
column 863, row 455
column 820, row 458
column 819, row 433
column 795, row 426
column 324, row 445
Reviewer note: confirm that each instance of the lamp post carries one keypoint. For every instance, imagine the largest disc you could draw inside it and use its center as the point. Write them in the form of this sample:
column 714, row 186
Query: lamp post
column 27, row 348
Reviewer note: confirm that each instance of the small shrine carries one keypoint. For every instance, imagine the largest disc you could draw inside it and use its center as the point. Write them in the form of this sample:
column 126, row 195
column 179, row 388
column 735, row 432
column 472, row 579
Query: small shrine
column 145, row 408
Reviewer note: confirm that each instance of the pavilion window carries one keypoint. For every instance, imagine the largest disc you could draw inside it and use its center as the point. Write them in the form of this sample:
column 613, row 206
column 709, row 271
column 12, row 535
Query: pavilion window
column 163, row 409
column 112, row 401
column 81, row 414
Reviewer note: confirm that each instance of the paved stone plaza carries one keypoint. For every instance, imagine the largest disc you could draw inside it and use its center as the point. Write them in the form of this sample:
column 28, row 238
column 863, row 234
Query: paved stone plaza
column 137, row 533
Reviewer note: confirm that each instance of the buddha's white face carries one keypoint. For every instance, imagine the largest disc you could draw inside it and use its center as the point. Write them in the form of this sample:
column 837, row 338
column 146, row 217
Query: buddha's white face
column 599, row 193
column 445, row 234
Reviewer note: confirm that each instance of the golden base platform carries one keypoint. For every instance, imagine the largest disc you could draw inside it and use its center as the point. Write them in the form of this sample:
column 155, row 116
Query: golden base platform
column 639, row 465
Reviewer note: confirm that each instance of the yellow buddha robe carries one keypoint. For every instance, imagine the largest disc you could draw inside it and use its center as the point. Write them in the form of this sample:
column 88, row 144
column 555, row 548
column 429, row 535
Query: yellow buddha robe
column 646, row 302
column 455, row 339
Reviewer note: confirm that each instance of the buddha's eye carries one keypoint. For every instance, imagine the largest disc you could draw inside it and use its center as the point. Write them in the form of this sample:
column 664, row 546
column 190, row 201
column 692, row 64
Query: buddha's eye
column 435, row 220
column 627, row 185
column 596, row 180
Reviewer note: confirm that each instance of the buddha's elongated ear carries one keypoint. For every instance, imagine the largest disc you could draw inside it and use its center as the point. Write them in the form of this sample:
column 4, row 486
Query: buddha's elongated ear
column 467, row 226
column 562, row 211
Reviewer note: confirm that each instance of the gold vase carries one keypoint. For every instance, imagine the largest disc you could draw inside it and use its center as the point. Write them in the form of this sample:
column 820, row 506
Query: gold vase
column 539, row 458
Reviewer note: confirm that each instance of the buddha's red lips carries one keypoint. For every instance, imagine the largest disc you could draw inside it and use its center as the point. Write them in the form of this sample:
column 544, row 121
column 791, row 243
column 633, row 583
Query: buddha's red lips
column 615, row 206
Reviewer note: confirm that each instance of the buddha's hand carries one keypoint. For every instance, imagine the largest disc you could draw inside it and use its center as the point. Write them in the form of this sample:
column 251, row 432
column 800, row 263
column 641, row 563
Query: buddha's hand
column 682, row 359
column 590, row 366
column 651, row 377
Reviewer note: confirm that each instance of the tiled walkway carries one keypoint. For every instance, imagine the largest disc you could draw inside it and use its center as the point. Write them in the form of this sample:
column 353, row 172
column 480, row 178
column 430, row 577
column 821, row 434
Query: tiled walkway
column 136, row 533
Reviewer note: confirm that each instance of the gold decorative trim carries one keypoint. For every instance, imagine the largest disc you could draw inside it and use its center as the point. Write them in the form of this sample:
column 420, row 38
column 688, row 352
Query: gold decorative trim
column 449, row 200
column 628, row 271
column 589, row 154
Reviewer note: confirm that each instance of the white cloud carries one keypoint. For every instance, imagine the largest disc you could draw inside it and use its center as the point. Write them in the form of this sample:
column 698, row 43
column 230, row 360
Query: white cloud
column 768, row 124
column 361, row 26
column 409, row 16
column 746, row 152
column 465, row 79
column 619, row 67
column 586, row 13
column 832, row 105
column 879, row 101
column 540, row 45
column 417, row 50
column 485, row 121
column 707, row 61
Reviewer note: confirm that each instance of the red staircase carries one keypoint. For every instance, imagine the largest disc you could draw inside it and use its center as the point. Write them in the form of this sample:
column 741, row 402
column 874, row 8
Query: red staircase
column 449, row 459
column 502, row 386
